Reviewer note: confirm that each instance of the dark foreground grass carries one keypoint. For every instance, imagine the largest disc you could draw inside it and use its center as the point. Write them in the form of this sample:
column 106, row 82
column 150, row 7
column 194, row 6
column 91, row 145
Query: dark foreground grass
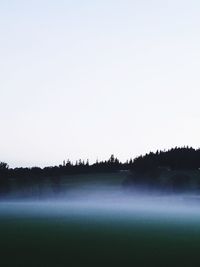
column 60, row 242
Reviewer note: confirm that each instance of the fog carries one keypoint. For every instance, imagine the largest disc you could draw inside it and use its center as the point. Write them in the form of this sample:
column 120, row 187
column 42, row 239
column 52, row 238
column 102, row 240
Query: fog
column 107, row 202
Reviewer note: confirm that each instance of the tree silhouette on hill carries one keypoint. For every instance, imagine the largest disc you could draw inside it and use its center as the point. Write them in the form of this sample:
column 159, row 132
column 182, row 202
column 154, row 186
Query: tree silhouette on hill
column 176, row 158
column 148, row 167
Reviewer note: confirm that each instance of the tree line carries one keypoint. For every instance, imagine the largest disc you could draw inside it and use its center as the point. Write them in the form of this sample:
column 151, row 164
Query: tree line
column 146, row 168
column 67, row 168
column 176, row 158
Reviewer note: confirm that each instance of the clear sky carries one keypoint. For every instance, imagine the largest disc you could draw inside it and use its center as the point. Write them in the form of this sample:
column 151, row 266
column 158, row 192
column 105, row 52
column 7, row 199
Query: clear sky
column 84, row 79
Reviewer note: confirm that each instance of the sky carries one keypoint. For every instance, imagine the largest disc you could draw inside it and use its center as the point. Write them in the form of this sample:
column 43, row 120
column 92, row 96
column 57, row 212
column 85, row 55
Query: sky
column 87, row 79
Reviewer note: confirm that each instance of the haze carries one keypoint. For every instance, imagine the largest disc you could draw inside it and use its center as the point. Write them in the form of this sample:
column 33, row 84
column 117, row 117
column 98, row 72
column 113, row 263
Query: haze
column 84, row 79
column 108, row 203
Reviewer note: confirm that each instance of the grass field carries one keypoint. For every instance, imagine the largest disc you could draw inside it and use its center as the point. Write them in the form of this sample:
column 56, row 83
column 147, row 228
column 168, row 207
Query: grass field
column 57, row 235
column 89, row 241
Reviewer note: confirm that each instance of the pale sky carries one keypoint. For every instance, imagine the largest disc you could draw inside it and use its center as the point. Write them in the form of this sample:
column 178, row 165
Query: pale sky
column 85, row 79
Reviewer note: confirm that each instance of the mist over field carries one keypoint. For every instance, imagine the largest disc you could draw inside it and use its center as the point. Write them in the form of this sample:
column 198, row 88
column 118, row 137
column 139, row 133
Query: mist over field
column 104, row 200
column 97, row 221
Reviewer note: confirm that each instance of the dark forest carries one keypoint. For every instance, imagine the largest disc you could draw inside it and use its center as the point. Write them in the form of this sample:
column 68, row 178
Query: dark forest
column 174, row 167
